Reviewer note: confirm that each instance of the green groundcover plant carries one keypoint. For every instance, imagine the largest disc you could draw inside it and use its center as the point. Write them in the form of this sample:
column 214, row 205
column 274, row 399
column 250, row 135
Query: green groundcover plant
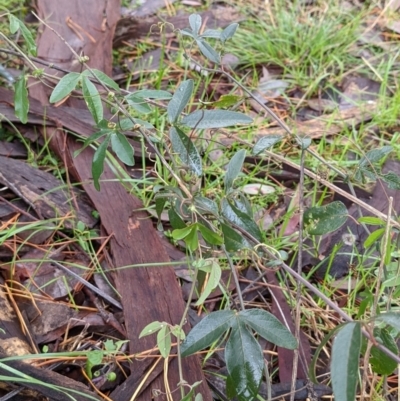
column 226, row 224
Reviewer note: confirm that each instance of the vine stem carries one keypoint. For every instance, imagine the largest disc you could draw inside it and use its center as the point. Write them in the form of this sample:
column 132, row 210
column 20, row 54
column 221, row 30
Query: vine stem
column 235, row 277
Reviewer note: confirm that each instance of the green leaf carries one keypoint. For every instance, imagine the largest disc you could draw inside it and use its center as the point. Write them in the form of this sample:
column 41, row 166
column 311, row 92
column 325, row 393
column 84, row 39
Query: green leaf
column 210, row 236
column 192, row 239
column 164, row 341
column 103, row 78
column 373, row 237
column 190, row 394
column 14, row 23
column 122, row 148
column 229, row 31
column 181, row 233
column 315, row 360
column 92, row 139
column 175, row 219
column 206, row 205
column 187, row 32
column 30, row 42
column 138, row 103
column 374, row 156
column 93, row 358
column 266, row 142
column 92, row 99
column 240, row 219
column 208, row 51
column 21, row 101
column 390, row 318
column 345, row 359
column 213, row 281
column 109, row 345
column 304, row 142
column 202, row 119
column 65, row 86
column 268, row 327
column 392, row 180
column 178, row 332
column 207, row 331
column 151, row 328
column 392, row 281
column 244, row 361
column 195, row 23
column 179, row 100
column 153, row 94
column 233, row 240
column 380, row 362
column 183, row 146
column 325, row 219
column 372, row 221
column 234, row 168
column 211, row 33
column 198, row 397
column 226, row 101
column 98, row 161
column 160, row 202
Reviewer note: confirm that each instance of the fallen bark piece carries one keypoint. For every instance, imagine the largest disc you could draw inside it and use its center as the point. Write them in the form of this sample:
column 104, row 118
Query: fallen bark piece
column 43, row 192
